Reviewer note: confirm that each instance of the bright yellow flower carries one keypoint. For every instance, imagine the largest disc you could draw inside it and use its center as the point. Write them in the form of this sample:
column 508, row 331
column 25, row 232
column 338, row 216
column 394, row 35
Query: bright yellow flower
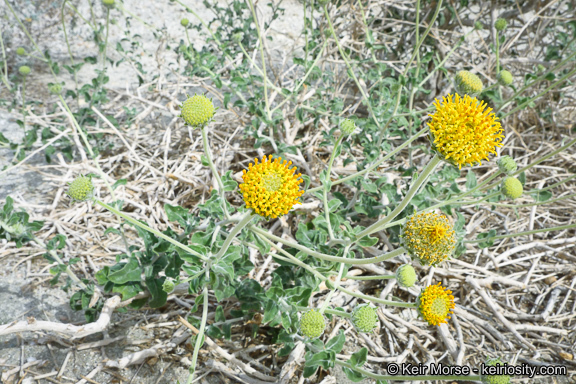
column 429, row 237
column 271, row 188
column 464, row 131
column 435, row 303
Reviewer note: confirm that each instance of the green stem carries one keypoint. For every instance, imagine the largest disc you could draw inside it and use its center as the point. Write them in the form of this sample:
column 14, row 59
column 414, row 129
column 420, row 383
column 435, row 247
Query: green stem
column 151, row 230
column 69, row 49
column 187, row 36
column 248, row 216
column 376, row 277
column 323, row 256
column 5, row 64
column 327, row 310
column 200, row 335
column 106, row 38
column 326, row 187
column 497, row 53
column 208, row 155
column 24, row 106
column 336, row 283
column 533, row 204
column 373, row 166
column 422, row 179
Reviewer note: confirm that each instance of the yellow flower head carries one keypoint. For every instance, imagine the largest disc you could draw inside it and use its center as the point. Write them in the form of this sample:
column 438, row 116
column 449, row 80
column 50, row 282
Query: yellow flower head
column 271, row 188
column 435, row 303
column 464, row 131
column 429, row 237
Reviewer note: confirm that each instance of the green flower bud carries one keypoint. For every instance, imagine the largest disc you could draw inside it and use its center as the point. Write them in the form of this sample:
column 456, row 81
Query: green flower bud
column 347, row 127
column 395, row 88
column 237, row 37
column 24, row 70
column 478, row 26
column 184, row 22
column 197, row 110
column 512, row 187
column 108, row 3
column 505, row 78
column 55, row 89
column 468, row 83
column 406, row 275
column 20, row 51
column 507, row 165
column 500, row 25
column 364, row 318
column 312, row 324
column 494, row 379
column 168, row 285
column 81, row 189
column 541, row 68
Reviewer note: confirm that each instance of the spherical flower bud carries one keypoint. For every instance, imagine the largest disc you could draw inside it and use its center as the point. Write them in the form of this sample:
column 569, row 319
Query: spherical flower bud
column 505, row 78
column 24, row 70
column 507, row 165
column 237, row 37
column 500, row 25
column 81, row 189
column 435, row 303
column 55, row 89
column 108, row 3
column 468, row 83
column 168, row 285
column 184, row 22
column 347, row 127
column 478, row 26
column 312, row 324
column 364, row 318
column 494, row 379
column 20, row 51
column 406, row 275
column 197, row 110
column 512, row 187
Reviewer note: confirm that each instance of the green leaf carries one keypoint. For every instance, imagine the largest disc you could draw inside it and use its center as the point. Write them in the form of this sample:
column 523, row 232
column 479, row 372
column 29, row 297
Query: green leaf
column 309, row 371
column 119, row 183
column 57, row 242
column 131, row 271
column 540, row 196
column 367, row 241
column 219, row 315
column 325, row 359
column 333, row 205
column 359, row 358
column 470, row 180
column 336, row 344
column 229, row 183
column 128, row 290
column 159, row 296
column 487, row 237
column 352, row 375
column 204, row 161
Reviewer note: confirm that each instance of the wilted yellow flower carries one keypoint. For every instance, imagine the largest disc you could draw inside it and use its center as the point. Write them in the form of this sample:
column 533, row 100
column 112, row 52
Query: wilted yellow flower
column 464, row 131
column 435, row 303
column 271, row 188
column 429, row 237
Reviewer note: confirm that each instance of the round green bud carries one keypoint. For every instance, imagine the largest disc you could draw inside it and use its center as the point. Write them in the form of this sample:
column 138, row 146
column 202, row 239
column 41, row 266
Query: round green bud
column 507, row 165
column 500, row 25
column 505, row 78
column 55, row 89
column 24, row 70
column 237, row 37
column 406, row 275
column 108, row 3
column 81, row 189
column 468, row 83
column 494, row 379
column 512, row 187
column 168, row 285
column 541, row 68
column 347, row 127
column 478, row 26
column 364, row 318
column 197, row 110
column 184, row 22
column 312, row 324
column 20, row 51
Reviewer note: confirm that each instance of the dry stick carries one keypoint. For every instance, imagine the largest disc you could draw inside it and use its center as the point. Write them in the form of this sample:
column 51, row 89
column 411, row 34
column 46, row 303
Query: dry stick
column 75, row 331
column 498, row 313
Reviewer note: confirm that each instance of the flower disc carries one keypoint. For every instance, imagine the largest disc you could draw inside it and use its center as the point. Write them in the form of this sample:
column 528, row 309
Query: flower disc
column 435, row 303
